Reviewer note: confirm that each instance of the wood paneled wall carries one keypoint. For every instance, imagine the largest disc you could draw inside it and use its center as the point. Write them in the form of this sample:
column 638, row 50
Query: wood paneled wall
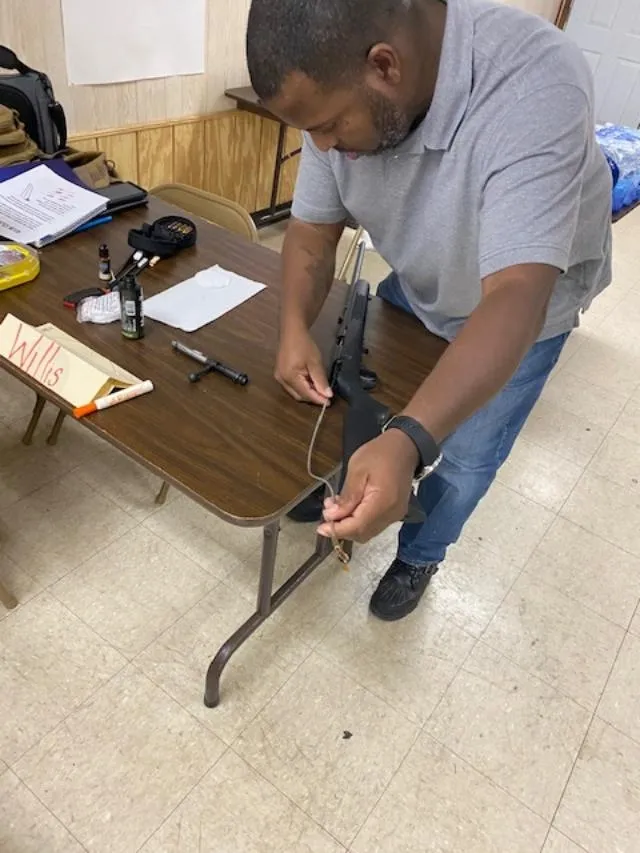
column 222, row 150
column 33, row 28
column 231, row 154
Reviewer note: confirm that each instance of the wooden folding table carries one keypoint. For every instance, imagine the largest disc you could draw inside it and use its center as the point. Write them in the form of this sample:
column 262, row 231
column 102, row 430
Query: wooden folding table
column 240, row 452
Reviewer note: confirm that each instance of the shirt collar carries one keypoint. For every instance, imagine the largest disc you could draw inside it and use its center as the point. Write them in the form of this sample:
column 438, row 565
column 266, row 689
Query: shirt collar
column 455, row 77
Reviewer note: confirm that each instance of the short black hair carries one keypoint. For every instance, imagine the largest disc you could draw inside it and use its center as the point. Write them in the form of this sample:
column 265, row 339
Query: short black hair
column 325, row 39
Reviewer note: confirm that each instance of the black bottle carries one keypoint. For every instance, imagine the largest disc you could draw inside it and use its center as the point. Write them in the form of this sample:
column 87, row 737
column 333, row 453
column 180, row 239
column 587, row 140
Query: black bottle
column 131, row 308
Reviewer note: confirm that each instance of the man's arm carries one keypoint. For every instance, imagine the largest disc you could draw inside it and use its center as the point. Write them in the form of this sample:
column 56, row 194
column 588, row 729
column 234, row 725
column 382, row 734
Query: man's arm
column 528, row 221
column 309, row 251
column 308, row 260
column 488, row 350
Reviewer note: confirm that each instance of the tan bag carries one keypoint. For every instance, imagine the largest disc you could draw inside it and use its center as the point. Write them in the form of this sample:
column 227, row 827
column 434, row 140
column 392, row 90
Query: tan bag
column 92, row 167
column 15, row 144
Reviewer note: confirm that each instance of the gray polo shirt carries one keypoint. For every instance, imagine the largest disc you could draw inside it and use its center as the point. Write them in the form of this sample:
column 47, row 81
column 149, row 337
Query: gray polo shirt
column 505, row 169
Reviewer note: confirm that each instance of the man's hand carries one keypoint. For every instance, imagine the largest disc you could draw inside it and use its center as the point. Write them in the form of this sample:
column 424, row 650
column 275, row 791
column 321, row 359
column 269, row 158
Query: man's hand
column 299, row 369
column 376, row 491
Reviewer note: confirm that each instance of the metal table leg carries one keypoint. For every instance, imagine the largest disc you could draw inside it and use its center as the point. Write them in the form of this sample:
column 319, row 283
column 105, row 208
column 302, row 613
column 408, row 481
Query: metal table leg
column 266, row 605
column 161, row 497
column 276, row 212
column 55, row 429
column 27, row 438
column 275, row 187
column 7, row 599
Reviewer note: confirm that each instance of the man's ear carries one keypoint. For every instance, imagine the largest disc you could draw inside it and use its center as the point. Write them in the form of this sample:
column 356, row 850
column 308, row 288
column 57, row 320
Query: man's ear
column 383, row 63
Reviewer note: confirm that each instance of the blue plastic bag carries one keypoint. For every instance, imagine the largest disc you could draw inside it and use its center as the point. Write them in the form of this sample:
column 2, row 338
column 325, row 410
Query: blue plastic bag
column 621, row 146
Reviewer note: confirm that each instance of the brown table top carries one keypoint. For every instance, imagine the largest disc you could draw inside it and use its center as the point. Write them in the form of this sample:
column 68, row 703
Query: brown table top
column 241, row 452
column 246, row 99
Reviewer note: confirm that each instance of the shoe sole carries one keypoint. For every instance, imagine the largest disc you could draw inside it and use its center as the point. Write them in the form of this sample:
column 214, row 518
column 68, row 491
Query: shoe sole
column 305, row 518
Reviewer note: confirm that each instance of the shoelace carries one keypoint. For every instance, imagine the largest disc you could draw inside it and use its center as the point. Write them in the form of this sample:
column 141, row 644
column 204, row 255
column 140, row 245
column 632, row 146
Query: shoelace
column 416, row 573
column 338, row 546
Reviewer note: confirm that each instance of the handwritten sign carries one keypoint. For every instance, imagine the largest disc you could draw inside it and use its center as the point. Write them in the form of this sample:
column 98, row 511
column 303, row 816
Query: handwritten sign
column 42, row 355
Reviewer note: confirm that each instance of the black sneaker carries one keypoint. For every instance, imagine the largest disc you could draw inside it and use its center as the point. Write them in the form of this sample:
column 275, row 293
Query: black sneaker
column 400, row 590
column 310, row 509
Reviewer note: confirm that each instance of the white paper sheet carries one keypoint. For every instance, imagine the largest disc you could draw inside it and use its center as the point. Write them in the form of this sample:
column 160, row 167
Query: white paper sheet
column 39, row 206
column 124, row 40
column 201, row 299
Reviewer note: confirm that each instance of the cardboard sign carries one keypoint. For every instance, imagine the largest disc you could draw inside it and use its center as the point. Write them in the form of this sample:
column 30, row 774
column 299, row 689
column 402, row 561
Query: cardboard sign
column 60, row 363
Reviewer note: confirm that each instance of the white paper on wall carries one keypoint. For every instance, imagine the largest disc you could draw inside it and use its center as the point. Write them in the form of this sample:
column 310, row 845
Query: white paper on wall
column 124, row 40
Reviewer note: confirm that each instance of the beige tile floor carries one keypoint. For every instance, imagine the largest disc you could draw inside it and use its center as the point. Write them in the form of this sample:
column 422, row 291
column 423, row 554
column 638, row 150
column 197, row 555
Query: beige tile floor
column 502, row 717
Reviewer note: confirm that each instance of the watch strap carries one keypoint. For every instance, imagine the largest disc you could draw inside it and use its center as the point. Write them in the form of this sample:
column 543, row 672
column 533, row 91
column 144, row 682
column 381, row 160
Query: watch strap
column 426, row 445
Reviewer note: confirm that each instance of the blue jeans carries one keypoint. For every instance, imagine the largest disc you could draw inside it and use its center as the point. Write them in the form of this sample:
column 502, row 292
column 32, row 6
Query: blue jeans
column 473, row 453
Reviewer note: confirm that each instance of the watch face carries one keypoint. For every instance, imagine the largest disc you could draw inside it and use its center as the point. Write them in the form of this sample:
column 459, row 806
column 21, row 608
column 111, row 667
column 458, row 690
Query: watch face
column 429, row 469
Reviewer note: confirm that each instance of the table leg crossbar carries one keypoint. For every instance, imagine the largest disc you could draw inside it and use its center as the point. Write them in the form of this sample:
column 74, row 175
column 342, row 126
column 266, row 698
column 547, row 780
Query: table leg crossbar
column 268, row 602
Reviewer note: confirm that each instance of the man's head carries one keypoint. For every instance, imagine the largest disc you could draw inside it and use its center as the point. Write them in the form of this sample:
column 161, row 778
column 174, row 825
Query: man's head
column 354, row 73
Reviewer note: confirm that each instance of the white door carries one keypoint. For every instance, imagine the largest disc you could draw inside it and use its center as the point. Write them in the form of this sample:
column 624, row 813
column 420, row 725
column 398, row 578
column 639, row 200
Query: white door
column 608, row 31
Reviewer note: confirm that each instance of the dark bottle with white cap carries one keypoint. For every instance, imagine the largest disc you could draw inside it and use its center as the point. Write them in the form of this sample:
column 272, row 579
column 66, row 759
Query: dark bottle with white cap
column 131, row 308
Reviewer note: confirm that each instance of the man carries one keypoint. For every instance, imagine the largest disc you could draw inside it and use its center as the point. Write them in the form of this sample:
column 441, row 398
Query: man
column 461, row 136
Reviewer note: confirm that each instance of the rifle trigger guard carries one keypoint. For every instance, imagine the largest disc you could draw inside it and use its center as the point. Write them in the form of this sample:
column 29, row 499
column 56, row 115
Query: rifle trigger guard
column 368, row 379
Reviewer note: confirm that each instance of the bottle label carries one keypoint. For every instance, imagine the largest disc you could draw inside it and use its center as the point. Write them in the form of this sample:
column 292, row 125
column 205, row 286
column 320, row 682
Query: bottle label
column 132, row 313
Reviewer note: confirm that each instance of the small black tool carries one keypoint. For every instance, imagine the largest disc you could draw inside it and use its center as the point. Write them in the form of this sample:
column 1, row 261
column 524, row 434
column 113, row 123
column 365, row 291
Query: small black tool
column 72, row 300
column 210, row 366
column 218, row 367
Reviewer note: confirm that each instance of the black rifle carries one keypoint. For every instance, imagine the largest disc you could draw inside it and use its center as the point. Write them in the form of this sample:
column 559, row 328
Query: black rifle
column 365, row 416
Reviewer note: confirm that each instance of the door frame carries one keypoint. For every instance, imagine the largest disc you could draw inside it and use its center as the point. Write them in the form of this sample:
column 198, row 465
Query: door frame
column 564, row 13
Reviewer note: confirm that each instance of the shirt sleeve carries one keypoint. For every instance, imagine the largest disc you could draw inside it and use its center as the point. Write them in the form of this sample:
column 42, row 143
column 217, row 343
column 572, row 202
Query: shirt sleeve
column 316, row 198
column 534, row 177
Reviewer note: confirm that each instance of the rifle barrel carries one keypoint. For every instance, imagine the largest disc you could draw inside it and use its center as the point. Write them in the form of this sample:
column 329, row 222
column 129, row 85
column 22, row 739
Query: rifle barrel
column 357, row 270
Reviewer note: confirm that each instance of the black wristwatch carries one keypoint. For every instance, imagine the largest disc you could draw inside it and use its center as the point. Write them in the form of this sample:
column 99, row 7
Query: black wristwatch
column 428, row 450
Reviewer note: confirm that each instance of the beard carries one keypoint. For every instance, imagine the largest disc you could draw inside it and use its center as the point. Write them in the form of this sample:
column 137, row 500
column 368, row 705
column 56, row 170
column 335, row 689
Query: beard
column 391, row 123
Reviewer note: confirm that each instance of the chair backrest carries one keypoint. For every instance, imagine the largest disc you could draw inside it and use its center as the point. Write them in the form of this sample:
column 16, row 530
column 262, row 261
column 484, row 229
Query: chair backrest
column 214, row 208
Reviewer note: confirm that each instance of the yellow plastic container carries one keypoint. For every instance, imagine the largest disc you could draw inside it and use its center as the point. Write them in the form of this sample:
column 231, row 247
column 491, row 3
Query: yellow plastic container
column 18, row 264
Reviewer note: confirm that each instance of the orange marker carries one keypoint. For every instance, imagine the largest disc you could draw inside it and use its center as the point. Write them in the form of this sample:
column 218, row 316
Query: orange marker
column 114, row 399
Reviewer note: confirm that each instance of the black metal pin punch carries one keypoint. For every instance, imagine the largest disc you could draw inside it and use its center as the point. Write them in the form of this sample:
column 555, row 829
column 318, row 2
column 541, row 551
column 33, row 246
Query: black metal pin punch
column 210, row 365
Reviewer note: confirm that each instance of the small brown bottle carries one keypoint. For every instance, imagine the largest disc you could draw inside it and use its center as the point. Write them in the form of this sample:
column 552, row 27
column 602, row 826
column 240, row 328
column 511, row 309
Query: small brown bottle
column 104, row 263
column 131, row 308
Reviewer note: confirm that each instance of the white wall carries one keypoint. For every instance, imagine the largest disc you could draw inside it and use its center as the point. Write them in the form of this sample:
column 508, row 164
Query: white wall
column 33, row 28
column 546, row 8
